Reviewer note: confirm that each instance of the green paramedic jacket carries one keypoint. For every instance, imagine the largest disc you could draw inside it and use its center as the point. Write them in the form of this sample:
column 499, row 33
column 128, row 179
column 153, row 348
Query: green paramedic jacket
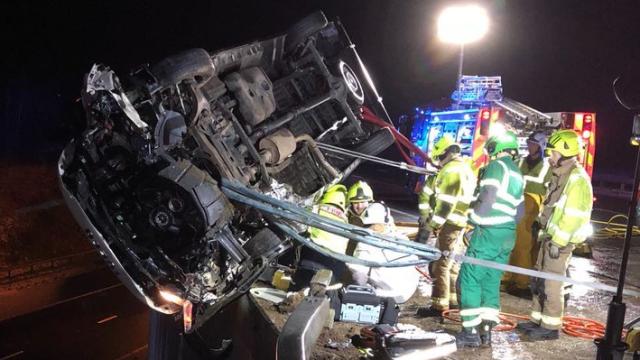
column 536, row 177
column 570, row 220
column 505, row 178
column 452, row 193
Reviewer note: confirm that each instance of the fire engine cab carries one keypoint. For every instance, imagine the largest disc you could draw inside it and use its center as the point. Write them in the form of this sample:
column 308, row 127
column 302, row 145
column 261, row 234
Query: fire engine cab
column 479, row 110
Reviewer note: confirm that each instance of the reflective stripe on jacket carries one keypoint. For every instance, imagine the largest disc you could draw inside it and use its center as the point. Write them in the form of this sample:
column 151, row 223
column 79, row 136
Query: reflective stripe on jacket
column 505, row 177
column 426, row 200
column 570, row 220
column 537, row 177
column 326, row 239
column 453, row 191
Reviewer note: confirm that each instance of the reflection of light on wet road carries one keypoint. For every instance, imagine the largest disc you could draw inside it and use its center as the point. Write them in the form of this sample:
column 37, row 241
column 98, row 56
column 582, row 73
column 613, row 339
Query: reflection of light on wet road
column 581, row 269
column 507, row 346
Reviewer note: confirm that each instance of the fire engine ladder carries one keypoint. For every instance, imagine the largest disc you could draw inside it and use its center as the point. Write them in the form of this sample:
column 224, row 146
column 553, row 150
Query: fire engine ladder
column 523, row 113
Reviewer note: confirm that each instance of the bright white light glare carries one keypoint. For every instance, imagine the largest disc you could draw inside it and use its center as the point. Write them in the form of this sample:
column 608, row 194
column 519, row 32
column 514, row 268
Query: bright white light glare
column 462, row 24
column 497, row 129
column 171, row 297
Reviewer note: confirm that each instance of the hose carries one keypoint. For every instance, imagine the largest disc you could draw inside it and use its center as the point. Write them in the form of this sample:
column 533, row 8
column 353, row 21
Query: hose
column 575, row 326
column 612, row 229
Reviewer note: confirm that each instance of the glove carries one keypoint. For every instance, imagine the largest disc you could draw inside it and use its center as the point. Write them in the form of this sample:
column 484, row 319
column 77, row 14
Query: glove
column 423, row 235
column 554, row 251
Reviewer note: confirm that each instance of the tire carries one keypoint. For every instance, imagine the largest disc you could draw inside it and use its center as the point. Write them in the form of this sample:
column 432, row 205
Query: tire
column 377, row 142
column 304, row 28
column 185, row 65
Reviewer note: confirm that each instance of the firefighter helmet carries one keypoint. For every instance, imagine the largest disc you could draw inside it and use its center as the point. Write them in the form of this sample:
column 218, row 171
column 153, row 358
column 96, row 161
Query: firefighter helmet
column 566, row 142
column 335, row 195
column 376, row 213
column 441, row 146
column 360, row 192
column 503, row 142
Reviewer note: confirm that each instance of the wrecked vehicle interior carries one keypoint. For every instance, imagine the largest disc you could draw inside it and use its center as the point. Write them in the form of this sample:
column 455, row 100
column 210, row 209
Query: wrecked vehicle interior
column 143, row 178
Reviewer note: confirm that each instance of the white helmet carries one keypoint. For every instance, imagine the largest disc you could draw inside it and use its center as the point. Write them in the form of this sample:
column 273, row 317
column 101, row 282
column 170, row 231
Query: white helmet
column 538, row 137
column 376, row 213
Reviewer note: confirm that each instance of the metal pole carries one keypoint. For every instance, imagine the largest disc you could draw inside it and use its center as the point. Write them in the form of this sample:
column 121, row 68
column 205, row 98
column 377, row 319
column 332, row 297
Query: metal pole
column 627, row 239
column 460, row 62
column 459, row 79
column 611, row 346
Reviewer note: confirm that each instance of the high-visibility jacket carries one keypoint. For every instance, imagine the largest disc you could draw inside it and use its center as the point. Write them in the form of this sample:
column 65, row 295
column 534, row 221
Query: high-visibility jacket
column 453, row 192
column 426, row 200
column 570, row 220
column 536, row 176
column 326, row 239
column 504, row 175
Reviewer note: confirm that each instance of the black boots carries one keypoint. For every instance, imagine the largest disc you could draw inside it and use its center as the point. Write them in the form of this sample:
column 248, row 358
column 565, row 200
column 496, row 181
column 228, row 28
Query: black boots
column 485, row 333
column 430, row 311
column 526, row 326
column 468, row 337
column 540, row 333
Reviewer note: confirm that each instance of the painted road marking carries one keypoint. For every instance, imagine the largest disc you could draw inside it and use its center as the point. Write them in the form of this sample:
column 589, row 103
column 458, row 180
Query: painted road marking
column 12, row 355
column 125, row 356
column 107, row 319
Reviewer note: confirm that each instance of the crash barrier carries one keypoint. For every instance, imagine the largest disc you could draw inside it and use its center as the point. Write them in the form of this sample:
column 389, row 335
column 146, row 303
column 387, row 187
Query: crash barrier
column 612, row 185
column 38, row 268
column 284, row 210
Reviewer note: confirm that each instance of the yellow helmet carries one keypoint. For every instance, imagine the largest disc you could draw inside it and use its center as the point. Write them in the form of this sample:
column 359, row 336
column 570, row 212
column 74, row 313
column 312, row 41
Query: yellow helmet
column 441, row 146
column 566, row 142
column 360, row 192
column 335, row 195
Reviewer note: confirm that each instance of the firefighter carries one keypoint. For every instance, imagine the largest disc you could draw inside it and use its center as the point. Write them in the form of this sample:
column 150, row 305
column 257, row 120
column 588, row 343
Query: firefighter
column 537, row 175
column 564, row 222
column 452, row 193
column 359, row 197
column 332, row 205
column 494, row 216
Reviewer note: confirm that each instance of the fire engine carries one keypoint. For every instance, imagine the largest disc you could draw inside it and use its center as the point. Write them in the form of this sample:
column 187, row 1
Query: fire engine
column 479, row 110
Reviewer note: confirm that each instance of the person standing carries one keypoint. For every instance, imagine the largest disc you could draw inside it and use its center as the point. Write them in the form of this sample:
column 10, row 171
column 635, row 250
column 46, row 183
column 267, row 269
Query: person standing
column 537, row 175
column 494, row 216
column 452, row 192
column 565, row 222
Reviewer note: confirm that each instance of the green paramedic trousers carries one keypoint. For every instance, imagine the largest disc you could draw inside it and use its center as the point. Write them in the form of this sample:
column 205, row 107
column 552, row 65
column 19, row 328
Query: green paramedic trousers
column 479, row 285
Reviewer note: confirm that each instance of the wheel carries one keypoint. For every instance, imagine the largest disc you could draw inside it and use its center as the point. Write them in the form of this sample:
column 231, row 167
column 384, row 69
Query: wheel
column 185, row 65
column 377, row 142
column 304, row 28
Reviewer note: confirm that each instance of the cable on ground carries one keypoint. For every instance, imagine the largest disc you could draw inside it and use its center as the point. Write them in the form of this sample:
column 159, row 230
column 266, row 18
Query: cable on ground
column 575, row 326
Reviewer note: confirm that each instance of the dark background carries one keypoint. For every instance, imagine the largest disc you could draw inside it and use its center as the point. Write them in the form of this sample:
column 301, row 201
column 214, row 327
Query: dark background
column 552, row 55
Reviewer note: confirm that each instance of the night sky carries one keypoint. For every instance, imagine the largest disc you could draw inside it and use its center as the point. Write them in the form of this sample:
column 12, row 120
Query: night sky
column 552, row 55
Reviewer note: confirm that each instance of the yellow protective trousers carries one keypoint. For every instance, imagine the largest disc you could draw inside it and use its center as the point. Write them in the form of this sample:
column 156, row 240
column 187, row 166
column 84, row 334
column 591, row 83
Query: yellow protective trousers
column 525, row 252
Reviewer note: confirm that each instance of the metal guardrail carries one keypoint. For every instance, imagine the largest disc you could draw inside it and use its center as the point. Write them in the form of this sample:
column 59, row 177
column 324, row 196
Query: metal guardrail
column 612, row 185
column 9, row 275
